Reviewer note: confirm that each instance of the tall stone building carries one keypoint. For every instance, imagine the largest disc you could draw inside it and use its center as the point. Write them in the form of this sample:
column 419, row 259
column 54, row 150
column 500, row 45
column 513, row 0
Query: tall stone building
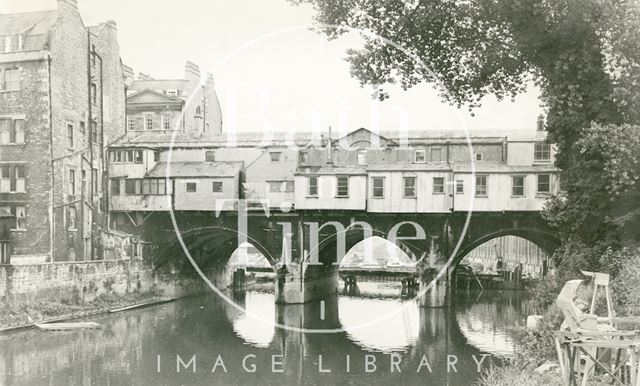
column 62, row 101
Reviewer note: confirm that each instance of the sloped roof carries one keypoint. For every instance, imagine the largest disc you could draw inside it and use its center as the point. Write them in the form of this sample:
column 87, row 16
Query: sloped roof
column 331, row 170
column 498, row 167
column 152, row 96
column 196, row 169
column 34, row 26
column 408, row 166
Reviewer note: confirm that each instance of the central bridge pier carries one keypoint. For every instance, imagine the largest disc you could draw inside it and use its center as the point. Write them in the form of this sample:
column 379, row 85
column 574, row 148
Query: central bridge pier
column 304, row 248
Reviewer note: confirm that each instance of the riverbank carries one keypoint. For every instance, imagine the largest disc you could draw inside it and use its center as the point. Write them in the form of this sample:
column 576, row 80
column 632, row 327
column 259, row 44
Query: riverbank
column 26, row 315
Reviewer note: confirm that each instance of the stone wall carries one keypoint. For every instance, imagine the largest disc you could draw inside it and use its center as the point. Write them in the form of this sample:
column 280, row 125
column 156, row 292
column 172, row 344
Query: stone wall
column 82, row 282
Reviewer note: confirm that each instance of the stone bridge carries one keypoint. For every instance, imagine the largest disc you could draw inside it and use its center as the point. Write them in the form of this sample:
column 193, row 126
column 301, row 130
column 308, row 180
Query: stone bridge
column 305, row 247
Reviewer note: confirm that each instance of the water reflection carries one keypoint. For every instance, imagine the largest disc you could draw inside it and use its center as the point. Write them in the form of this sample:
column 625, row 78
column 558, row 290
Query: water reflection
column 140, row 347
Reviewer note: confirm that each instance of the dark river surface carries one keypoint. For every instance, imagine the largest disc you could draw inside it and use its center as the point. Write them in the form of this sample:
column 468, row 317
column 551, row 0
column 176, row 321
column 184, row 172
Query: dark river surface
column 144, row 347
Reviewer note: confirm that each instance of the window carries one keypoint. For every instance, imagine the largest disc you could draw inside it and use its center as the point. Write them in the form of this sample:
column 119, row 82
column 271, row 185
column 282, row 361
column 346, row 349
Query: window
column 115, row 187
column 94, row 176
column 156, row 156
column 137, row 156
column 303, row 157
column 479, row 156
column 191, row 187
column 21, row 217
column 94, row 93
column 130, row 187
column 378, row 187
column 289, row 186
column 481, row 186
column 343, row 186
column 5, row 179
column 362, row 157
column 131, row 123
column 420, row 156
column 4, row 247
column 544, row 183
column 83, row 128
column 19, row 185
column 517, row 186
column 438, row 185
column 70, row 135
column 72, row 182
column 71, row 217
column 217, row 186
column 166, row 121
column 94, row 131
column 459, row 186
column 275, row 156
column 12, row 131
column 542, row 151
column 83, row 179
column 209, row 156
column 198, row 112
column 275, row 186
column 10, row 43
column 10, row 79
column 148, row 122
column 312, row 186
column 172, row 93
column 436, row 154
column 409, row 184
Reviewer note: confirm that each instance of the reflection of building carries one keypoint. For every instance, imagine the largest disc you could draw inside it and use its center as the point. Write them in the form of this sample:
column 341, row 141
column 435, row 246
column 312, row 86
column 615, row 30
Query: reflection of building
column 61, row 101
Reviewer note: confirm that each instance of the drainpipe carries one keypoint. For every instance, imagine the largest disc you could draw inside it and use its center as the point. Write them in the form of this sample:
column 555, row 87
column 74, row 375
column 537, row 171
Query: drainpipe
column 52, row 210
column 90, row 122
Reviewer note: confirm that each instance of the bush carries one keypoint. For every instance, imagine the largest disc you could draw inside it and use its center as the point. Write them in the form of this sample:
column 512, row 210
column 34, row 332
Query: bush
column 533, row 348
column 624, row 266
column 511, row 375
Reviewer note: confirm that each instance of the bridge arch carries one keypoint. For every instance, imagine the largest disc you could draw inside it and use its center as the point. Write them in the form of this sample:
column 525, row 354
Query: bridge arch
column 210, row 247
column 546, row 240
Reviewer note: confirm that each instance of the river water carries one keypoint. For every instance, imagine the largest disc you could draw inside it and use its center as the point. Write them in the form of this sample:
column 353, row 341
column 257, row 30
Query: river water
column 154, row 345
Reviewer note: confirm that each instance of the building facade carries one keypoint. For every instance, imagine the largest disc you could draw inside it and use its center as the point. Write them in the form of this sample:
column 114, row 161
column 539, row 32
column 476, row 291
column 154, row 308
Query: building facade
column 61, row 101
column 189, row 105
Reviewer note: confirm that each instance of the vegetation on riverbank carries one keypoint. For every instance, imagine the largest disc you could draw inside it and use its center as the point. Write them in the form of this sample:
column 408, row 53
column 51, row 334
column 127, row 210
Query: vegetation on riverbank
column 24, row 314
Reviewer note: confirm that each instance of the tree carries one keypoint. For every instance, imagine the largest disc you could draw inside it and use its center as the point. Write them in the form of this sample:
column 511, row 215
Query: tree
column 583, row 54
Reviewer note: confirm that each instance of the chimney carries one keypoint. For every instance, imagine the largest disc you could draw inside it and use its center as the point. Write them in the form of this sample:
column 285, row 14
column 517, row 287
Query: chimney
column 112, row 24
column 191, row 71
column 540, row 123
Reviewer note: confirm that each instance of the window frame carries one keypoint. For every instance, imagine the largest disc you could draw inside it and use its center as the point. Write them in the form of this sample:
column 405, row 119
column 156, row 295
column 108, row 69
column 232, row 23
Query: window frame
column 187, row 184
column 220, row 185
column 413, row 186
column 540, row 193
column 440, row 184
column 539, row 154
column 207, row 154
column 344, row 186
column 459, row 186
column 315, row 186
column 514, row 186
column 275, row 156
column 486, row 185
column 374, row 187
column 424, row 156
column 131, row 122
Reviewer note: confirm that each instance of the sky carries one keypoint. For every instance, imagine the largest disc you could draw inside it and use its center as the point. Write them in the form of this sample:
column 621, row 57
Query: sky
column 273, row 73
